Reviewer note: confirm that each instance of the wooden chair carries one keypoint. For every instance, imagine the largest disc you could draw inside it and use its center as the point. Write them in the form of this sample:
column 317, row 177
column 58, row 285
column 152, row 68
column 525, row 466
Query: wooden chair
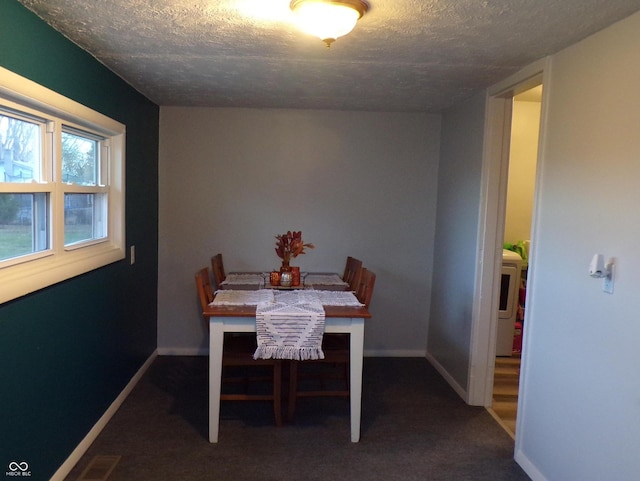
column 352, row 273
column 364, row 292
column 205, row 292
column 238, row 351
column 218, row 270
column 336, row 354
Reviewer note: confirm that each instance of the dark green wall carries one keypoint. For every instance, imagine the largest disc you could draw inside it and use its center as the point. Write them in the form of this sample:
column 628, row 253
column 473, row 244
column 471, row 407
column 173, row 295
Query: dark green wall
column 67, row 351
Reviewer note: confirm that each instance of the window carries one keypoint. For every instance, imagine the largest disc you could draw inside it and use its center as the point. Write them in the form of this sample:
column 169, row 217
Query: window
column 61, row 187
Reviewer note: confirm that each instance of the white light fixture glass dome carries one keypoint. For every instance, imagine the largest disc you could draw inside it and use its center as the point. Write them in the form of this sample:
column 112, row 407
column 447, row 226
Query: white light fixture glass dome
column 327, row 19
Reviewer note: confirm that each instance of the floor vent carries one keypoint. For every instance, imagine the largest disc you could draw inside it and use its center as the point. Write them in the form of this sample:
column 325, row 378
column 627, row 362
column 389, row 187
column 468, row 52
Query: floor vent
column 99, row 468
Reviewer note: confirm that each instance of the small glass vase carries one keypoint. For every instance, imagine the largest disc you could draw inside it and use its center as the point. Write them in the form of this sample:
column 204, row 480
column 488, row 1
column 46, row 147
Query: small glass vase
column 295, row 276
column 274, row 278
column 285, row 267
column 286, row 278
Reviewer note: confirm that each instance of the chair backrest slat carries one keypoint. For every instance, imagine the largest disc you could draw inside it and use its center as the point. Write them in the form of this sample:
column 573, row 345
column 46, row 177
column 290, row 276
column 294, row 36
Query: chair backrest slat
column 352, row 273
column 364, row 293
column 205, row 290
column 218, row 270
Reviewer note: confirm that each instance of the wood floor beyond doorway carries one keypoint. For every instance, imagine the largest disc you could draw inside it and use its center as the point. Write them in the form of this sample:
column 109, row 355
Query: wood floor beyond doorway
column 505, row 392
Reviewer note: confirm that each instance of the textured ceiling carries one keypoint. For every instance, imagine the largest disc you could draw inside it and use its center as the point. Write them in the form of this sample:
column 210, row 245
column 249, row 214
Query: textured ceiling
column 404, row 55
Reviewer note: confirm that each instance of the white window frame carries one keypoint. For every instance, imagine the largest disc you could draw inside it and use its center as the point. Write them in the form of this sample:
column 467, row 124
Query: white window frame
column 58, row 263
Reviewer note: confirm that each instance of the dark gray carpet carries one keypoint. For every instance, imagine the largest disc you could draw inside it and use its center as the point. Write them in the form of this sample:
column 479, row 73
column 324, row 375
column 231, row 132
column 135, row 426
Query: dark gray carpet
column 414, row 427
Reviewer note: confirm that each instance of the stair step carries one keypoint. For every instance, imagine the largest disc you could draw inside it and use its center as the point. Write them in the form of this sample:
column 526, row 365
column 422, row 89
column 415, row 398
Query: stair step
column 501, row 373
column 505, row 409
column 508, row 360
column 505, row 391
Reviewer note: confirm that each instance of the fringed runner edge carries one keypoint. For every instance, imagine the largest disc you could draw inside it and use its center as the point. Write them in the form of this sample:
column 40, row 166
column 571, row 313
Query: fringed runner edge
column 289, row 352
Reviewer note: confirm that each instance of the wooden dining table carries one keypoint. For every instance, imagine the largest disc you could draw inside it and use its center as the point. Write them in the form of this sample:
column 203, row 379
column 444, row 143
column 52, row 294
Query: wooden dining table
column 242, row 318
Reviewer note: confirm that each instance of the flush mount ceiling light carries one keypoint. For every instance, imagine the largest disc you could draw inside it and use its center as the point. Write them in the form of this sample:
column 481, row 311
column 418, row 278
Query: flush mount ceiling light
column 328, row 19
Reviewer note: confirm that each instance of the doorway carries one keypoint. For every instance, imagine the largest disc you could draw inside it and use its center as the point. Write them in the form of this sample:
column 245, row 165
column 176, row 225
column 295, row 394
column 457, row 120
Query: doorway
column 495, row 170
column 522, row 160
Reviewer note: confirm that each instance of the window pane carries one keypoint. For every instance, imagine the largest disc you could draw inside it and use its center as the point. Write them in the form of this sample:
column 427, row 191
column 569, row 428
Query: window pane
column 19, row 149
column 23, row 224
column 79, row 159
column 84, row 217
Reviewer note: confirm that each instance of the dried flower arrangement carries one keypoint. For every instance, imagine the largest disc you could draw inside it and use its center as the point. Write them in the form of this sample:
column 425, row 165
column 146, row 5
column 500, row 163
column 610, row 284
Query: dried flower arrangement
column 290, row 245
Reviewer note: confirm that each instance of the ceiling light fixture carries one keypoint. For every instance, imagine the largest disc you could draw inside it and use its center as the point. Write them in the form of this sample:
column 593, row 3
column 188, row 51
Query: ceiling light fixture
column 328, row 19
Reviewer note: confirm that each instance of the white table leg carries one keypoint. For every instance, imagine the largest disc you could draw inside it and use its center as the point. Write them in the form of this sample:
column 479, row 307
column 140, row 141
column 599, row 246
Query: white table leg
column 356, row 361
column 216, row 339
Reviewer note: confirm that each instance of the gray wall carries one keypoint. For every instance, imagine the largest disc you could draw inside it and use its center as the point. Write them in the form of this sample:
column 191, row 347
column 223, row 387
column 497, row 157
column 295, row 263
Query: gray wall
column 456, row 238
column 579, row 411
column 355, row 183
column 580, row 407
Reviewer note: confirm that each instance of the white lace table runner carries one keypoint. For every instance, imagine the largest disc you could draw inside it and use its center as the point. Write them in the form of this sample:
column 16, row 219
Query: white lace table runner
column 242, row 298
column 289, row 331
column 243, row 279
column 294, row 297
column 324, row 280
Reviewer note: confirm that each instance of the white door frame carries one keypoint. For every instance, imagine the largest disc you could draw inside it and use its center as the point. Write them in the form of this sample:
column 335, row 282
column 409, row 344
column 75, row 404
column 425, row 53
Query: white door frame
column 495, row 163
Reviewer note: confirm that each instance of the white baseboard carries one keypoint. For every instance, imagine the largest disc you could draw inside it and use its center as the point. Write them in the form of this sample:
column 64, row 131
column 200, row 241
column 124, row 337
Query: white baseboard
column 462, row 392
column 528, row 467
column 64, row 470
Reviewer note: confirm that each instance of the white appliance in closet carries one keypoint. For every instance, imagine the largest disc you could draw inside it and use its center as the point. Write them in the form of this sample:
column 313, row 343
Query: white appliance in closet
column 508, row 308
